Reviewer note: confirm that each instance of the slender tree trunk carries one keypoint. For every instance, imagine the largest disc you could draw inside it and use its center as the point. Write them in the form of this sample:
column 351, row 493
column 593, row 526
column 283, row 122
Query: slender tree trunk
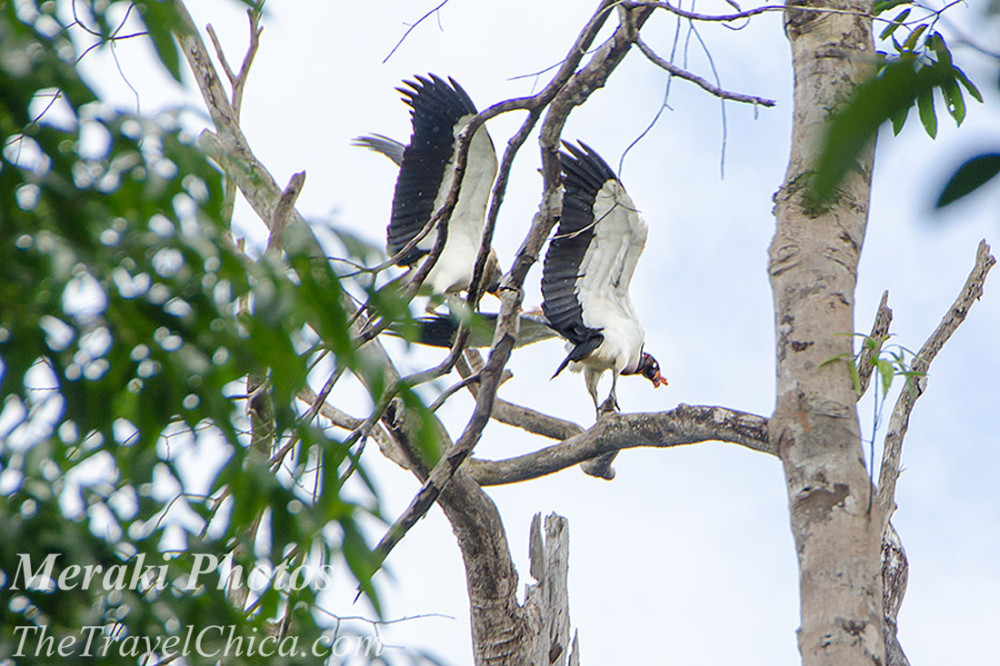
column 813, row 269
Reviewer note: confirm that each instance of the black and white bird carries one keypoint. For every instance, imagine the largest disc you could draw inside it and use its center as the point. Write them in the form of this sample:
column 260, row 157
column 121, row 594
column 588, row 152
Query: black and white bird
column 440, row 110
column 585, row 280
column 587, row 271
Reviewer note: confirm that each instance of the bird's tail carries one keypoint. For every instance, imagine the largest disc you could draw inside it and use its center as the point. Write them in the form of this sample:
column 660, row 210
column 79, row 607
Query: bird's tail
column 382, row 144
column 440, row 330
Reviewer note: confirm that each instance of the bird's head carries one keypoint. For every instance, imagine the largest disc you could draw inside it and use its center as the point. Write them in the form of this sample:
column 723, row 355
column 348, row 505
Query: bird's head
column 650, row 369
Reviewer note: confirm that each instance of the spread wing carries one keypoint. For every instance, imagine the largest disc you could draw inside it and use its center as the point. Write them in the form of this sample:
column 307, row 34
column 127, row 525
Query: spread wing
column 437, row 106
column 593, row 254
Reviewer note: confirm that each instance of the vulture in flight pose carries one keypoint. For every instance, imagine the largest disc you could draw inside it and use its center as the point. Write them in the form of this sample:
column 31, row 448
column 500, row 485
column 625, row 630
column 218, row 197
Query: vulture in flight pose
column 587, row 271
column 439, row 110
column 585, row 279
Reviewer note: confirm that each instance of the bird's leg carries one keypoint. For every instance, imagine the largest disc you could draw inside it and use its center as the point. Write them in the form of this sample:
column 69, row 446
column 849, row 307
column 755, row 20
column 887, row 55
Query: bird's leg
column 601, row 465
column 590, row 378
column 611, row 404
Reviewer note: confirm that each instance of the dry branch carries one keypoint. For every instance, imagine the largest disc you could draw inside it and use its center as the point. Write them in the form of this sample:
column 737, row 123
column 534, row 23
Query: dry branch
column 916, row 384
column 737, row 16
column 518, row 416
column 283, row 210
column 547, row 601
column 879, row 334
column 686, row 424
column 680, row 73
column 895, row 572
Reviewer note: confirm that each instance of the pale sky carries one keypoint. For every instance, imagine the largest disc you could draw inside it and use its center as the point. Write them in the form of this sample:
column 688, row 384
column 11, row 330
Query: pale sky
column 686, row 557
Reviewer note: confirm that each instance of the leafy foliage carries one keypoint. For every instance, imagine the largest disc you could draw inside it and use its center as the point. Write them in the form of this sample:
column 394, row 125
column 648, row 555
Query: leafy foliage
column 129, row 326
column 920, row 65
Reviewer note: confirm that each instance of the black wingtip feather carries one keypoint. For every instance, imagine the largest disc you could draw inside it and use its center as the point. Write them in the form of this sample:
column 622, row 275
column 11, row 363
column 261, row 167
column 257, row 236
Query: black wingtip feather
column 436, row 107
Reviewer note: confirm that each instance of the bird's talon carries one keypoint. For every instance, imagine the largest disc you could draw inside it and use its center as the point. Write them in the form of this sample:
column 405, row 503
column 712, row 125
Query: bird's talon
column 609, row 406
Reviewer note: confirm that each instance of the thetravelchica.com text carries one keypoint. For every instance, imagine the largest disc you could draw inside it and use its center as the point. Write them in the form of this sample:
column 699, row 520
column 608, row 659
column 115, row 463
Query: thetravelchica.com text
column 212, row 641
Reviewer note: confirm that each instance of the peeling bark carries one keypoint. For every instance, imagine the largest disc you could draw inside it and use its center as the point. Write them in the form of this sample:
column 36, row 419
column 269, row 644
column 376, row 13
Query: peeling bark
column 813, row 270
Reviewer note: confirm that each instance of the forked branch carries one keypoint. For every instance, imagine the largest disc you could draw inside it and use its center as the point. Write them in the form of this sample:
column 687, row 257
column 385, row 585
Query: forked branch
column 917, row 382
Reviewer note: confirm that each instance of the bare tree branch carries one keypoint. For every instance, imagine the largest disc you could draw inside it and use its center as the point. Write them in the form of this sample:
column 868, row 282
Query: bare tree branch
column 879, row 334
column 694, row 78
column 548, row 599
column 685, row 424
column 534, row 105
column 518, row 416
column 916, row 384
column 895, row 573
column 736, row 16
column 283, row 210
column 238, row 81
column 411, row 29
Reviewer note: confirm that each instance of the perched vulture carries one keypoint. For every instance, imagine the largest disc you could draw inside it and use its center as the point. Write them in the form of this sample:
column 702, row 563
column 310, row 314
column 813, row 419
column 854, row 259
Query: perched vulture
column 585, row 279
column 439, row 110
column 587, row 271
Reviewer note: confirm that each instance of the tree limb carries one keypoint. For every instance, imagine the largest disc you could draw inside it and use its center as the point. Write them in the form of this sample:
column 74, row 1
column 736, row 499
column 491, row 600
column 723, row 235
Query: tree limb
column 879, row 334
column 916, row 384
column 532, row 420
column 895, row 572
column 736, row 16
column 283, row 209
column 685, row 424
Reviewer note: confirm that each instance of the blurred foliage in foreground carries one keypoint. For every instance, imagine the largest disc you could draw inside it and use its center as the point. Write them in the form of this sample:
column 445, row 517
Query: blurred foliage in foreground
column 917, row 71
column 128, row 326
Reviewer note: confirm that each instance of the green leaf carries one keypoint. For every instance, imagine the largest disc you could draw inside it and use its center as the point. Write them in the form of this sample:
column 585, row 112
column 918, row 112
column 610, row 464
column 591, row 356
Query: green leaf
column 887, row 372
column 855, row 377
column 969, row 85
column 160, row 19
column 911, row 42
column 886, row 96
column 899, row 119
column 885, row 5
column 925, row 106
column 969, row 177
column 896, row 22
column 937, row 44
column 954, row 100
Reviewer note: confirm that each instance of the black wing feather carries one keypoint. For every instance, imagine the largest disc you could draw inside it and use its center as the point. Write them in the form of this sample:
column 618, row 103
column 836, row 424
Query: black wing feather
column 436, row 107
column 584, row 174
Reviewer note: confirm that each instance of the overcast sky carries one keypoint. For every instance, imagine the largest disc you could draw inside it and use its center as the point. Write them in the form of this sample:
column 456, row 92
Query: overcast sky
column 686, row 557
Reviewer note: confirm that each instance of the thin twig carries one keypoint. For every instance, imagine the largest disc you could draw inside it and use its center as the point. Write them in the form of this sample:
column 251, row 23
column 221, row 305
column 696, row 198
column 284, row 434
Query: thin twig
column 736, row 16
column 697, row 80
column 452, row 390
column 411, row 29
column 519, row 416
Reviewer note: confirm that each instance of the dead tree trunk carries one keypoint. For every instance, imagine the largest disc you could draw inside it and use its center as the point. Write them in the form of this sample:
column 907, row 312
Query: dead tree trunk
column 813, row 270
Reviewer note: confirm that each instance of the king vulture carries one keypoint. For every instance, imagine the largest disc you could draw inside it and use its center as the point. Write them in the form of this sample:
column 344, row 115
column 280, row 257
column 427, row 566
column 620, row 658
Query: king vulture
column 439, row 111
column 586, row 274
column 585, row 279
